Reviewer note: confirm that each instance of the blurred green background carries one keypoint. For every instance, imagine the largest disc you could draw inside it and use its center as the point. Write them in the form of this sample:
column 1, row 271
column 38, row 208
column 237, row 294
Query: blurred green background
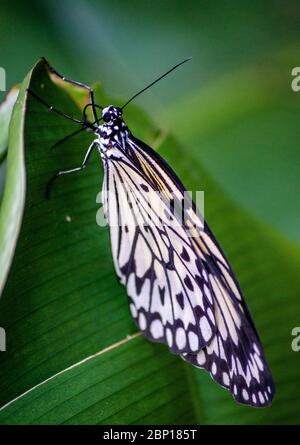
column 233, row 101
column 231, row 107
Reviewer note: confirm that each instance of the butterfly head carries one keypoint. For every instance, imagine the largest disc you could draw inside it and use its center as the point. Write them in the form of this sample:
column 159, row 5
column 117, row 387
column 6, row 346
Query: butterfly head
column 111, row 114
column 113, row 131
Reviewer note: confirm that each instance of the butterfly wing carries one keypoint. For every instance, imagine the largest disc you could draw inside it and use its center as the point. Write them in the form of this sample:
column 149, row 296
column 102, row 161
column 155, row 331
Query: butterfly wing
column 181, row 289
column 156, row 262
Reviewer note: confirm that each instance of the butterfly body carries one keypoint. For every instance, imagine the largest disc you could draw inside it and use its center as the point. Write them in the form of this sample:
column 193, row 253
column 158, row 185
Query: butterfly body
column 112, row 133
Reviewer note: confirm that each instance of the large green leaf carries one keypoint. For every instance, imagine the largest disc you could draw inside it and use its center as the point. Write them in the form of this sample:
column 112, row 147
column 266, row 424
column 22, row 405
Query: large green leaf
column 62, row 301
column 13, row 199
column 71, row 353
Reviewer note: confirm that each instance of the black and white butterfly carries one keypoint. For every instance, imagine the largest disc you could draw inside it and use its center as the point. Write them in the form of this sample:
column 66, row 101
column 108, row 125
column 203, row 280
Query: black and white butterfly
column 181, row 289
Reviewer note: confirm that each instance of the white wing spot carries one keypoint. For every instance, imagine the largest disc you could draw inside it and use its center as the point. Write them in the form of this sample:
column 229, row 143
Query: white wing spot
column 142, row 321
column 254, row 398
column 193, row 341
column 226, row 378
column 133, row 310
column 201, row 358
column 245, row 394
column 180, row 338
column 261, row 397
column 259, row 362
column 214, row 368
column 169, row 337
column 256, row 349
column 156, row 329
column 205, row 329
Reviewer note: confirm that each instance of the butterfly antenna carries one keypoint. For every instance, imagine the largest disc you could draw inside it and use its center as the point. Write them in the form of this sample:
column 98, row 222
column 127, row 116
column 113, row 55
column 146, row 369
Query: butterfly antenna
column 156, row 80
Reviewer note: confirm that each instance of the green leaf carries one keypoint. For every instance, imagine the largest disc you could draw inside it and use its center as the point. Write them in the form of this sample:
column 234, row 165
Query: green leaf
column 105, row 389
column 6, row 108
column 62, row 301
column 72, row 354
column 11, row 130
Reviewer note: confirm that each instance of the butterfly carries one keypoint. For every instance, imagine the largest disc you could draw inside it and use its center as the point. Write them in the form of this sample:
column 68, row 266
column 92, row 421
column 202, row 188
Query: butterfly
column 181, row 289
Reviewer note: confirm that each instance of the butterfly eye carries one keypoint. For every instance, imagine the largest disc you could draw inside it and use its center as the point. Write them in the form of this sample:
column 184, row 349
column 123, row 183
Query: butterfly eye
column 106, row 117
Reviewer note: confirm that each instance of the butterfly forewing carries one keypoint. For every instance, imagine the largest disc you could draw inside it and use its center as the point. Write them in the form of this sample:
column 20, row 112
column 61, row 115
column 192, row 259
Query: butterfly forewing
column 157, row 264
column 181, row 289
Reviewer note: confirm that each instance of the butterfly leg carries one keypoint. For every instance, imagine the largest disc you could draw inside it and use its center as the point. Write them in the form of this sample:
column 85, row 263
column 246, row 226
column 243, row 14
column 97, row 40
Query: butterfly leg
column 74, row 82
column 55, row 110
column 72, row 170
